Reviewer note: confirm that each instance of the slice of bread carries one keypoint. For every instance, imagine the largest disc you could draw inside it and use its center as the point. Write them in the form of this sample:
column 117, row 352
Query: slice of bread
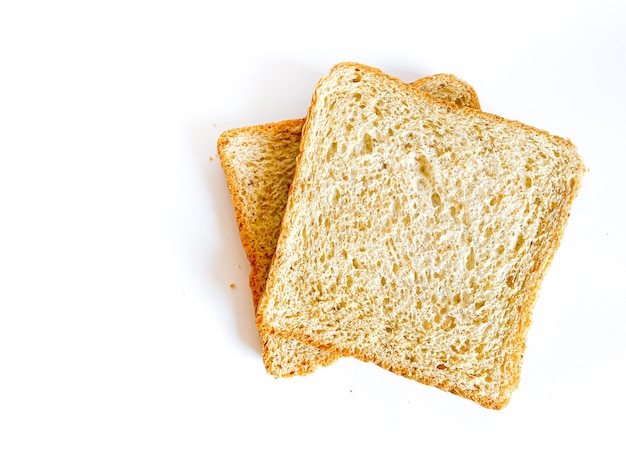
column 417, row 233
column 259, row 163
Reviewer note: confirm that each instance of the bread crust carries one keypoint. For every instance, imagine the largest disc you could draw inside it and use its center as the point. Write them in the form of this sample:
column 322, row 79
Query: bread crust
column 527, row 294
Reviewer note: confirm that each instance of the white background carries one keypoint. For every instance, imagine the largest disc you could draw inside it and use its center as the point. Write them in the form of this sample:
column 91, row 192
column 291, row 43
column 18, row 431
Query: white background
column 122, row 344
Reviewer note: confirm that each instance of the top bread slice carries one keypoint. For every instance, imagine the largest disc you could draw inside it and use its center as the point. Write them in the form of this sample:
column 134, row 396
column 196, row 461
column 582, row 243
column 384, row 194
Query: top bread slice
column 417, row 233
column 259, row 163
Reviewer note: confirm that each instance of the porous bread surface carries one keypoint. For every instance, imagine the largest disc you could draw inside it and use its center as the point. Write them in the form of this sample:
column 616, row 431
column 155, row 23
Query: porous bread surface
column 447, row 87
column 259, row 162
column 417, row 233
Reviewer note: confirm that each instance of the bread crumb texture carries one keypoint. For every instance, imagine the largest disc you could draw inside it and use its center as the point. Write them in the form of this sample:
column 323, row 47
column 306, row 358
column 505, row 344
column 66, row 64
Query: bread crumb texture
column 417, row 233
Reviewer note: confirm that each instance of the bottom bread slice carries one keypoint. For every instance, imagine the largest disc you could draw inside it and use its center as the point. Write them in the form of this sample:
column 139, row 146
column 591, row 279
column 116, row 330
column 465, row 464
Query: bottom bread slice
column 259, row 163
column 417, row 233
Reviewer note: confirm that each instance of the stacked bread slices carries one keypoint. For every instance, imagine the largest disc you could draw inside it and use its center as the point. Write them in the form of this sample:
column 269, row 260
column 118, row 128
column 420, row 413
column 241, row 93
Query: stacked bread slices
column 401, row 225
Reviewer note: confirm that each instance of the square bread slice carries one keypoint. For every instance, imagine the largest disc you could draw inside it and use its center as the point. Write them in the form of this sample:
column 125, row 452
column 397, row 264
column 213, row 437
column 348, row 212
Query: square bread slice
column 259, row 163
column 417, row 233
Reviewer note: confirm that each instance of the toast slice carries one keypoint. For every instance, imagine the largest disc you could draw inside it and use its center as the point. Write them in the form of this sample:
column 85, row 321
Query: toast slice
column 259, row 162
column 417, row 233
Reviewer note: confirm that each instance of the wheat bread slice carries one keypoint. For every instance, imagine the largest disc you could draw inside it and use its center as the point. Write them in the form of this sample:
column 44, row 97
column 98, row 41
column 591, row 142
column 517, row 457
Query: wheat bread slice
column 259, row 163
column 417, row 233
